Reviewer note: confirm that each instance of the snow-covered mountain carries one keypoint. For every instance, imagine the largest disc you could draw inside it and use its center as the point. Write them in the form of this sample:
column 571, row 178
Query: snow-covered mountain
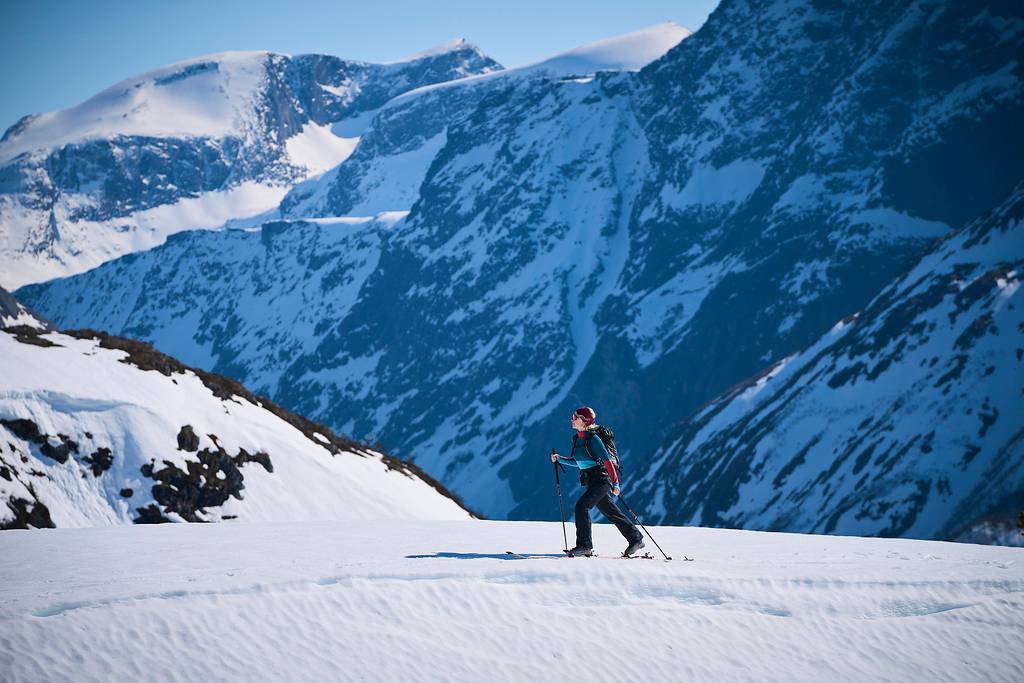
column 188, row 146
column 388, row 167
column 904, row 420
column 101, row 430
column 635, row 240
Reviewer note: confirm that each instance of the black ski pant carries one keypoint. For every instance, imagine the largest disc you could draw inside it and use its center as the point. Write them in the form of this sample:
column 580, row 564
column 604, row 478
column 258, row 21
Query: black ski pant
column 599, row 493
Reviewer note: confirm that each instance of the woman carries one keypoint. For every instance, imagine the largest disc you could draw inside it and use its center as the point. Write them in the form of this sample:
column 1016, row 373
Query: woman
column 598, row 476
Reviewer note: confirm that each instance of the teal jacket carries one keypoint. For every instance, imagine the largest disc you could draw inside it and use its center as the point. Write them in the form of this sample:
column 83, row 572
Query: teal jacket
column 588, row 451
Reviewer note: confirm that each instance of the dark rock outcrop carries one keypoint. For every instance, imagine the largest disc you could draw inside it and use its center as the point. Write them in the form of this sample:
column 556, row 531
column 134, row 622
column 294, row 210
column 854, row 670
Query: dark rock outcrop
column 29, row 431
column 206, row 482
column 99, row 461
column 188, row 440
column 28, row 514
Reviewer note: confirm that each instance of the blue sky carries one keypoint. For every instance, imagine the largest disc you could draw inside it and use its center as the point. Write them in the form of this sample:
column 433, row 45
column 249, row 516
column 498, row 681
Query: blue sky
column 61, row 52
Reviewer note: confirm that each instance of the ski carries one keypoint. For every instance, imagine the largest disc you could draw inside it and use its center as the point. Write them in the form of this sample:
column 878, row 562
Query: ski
column 648, row 556
column 645, row 556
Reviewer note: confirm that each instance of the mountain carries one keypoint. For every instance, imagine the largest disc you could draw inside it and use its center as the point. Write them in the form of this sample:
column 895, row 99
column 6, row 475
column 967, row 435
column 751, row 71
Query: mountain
column 635, row 240
column 100, row 430
column 904, row 420
column 188, row 146
column 388, row 167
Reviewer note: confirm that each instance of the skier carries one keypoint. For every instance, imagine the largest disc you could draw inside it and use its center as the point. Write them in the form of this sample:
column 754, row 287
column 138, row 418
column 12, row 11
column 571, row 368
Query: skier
column 598, row 476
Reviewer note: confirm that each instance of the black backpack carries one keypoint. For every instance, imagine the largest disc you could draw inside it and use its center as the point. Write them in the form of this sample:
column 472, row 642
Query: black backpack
column 607, row 437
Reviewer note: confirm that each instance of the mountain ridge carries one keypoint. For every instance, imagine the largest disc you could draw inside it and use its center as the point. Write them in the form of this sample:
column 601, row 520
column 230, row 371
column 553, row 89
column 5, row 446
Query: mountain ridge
column 636, row 241
column 191, row 145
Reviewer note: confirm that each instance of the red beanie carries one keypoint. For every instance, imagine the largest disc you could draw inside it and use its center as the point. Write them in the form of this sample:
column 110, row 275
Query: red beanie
column 587, row 414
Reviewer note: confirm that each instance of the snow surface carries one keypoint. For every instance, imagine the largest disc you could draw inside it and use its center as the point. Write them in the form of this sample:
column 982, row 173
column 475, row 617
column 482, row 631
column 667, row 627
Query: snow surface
column 428, row 601
column 318, row 148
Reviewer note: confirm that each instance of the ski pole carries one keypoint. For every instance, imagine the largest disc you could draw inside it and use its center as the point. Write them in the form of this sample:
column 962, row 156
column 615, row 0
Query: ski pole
column 630, row 510
column 561, row 509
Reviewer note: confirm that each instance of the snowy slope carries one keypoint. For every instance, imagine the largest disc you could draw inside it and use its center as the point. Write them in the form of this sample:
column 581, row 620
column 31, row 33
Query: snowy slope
column 208, row 96
column 187, row 146
column 906, row 420
column 99, row 430
column 639, row 241
column 421, row 601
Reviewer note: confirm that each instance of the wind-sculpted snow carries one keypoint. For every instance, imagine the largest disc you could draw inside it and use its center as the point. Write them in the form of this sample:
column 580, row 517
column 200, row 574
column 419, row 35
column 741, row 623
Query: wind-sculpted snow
column 188, row 146
column 429, row 601
column 905, row 420
column 102, row 430
column 637, row 241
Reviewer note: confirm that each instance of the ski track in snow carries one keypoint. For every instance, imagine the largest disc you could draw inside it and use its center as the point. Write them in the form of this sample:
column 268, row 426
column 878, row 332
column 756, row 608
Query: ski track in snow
column 425, row 601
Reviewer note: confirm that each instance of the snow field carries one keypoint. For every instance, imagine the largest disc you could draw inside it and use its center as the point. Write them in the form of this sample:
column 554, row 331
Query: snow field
column 426, row 601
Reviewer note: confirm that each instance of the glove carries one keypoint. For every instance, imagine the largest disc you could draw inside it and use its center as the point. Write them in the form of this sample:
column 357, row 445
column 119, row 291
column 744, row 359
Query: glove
column 615, row 490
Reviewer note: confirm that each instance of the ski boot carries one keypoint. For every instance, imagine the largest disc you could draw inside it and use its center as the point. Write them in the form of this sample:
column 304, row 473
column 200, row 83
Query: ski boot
column 633, row 547
column 579, row 551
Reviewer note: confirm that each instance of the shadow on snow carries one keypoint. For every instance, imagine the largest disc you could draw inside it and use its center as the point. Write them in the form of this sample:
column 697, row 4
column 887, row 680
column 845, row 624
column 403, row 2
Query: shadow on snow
column 481, row 556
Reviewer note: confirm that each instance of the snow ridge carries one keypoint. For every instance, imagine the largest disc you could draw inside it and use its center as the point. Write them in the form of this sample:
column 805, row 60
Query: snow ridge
column 101, row 430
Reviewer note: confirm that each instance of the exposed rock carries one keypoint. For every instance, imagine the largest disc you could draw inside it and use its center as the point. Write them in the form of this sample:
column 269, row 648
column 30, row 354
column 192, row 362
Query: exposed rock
column 100, row 461
column 29, row 335
column 188, row 440
column 29, row 431
column 204, row 483
column 150, row 514
column 28, row 514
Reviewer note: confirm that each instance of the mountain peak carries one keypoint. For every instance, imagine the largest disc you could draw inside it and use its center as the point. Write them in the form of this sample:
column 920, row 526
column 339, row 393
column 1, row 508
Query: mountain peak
column 625, row 52
column 453, row 45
